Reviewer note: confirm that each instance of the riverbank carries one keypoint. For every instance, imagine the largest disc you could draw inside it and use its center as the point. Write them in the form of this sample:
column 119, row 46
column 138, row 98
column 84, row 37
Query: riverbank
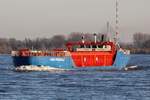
column 140, row 50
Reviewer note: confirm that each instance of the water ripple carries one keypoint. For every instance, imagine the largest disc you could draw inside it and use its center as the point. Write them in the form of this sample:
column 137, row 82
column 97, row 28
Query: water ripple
column 76, row 85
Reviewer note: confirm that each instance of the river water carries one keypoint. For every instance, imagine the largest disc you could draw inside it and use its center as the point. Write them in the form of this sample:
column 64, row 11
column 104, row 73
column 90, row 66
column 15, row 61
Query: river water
column 76, row 85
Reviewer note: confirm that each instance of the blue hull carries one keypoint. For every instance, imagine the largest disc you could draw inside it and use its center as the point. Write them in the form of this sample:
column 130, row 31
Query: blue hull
column 120, row 62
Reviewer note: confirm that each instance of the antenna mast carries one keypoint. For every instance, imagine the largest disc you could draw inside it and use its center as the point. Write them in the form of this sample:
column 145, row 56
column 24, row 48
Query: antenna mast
column 108, row 30
column 117, row 23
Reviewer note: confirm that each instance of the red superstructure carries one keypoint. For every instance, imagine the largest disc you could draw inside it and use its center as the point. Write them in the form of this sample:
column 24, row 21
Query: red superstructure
column 92, row 54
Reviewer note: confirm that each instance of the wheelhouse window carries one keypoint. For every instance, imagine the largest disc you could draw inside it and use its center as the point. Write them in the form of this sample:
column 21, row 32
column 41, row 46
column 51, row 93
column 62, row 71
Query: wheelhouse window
column 94, row 46
column 88, row 46
column 100, row 46
column 82, row 46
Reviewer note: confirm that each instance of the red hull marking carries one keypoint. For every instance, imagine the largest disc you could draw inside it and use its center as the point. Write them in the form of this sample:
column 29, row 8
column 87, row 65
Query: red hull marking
column 89, row 59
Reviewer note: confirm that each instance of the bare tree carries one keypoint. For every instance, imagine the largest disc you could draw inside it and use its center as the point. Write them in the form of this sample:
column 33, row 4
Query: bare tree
column 75, row 36
column 58, row 41
column 139, row 39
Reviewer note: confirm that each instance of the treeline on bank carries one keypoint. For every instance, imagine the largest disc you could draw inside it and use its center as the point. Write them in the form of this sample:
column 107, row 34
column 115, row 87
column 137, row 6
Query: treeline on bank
column 57, row 41
column 141, row 42
column 140, row 45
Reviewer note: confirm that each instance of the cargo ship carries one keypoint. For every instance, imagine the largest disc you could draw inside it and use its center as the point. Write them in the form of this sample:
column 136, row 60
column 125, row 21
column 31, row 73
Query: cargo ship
column 83, row 54
column 79, row 55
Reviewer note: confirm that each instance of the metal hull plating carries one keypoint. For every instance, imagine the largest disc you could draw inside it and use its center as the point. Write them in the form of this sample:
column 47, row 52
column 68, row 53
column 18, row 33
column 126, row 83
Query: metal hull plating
column 120, row 62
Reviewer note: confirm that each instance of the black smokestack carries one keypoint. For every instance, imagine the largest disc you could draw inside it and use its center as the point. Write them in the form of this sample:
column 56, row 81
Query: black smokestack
column 102, row 38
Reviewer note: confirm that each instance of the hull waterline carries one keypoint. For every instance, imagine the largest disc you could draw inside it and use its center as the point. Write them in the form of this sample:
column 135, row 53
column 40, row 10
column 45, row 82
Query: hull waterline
column 67, row 63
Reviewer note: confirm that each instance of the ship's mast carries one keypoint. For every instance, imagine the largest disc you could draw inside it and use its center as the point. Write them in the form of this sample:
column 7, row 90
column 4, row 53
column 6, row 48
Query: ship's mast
column 108, row 31
column 117, row 20
column 117, row 24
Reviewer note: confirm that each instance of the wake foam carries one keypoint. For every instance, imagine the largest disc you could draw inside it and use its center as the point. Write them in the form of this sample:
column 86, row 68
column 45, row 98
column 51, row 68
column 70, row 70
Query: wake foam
column 29, row 68
column 37, row 68
column 135, row 67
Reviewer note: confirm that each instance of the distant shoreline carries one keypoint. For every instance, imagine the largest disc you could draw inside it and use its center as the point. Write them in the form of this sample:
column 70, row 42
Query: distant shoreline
column 5, row 54
column 140, row 51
